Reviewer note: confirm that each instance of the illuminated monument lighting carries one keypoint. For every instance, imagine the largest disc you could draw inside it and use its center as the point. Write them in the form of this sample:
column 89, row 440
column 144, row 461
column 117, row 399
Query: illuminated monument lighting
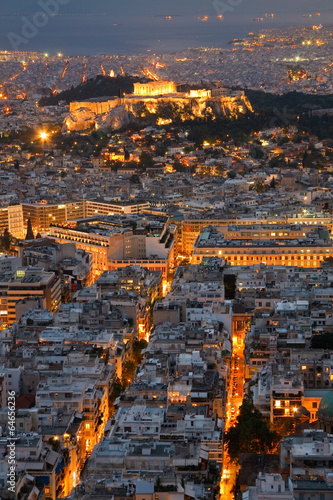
column 161, row 87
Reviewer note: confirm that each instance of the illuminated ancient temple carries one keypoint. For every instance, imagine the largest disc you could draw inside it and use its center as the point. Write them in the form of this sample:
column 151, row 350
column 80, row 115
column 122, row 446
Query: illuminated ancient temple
column 161, row 87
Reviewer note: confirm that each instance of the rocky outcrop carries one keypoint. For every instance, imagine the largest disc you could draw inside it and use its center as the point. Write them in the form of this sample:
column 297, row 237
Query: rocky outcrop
column 116, row 118
column 80, row 119
column 117, row 113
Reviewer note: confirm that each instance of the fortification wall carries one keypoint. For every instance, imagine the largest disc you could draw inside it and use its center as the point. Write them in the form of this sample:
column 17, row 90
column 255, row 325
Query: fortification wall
column 97, row 107
column 116, row 113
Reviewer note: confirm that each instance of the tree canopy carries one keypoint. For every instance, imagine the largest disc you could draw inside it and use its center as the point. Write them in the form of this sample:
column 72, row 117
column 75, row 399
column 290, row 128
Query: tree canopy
column 230, row 286
column 251, row 434
column 5, row 240
column 30, row 233
column 322, row 341
column 95, row 87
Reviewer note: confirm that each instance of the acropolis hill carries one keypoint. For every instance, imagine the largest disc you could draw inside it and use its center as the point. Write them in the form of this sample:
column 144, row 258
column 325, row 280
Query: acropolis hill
column 148, row 99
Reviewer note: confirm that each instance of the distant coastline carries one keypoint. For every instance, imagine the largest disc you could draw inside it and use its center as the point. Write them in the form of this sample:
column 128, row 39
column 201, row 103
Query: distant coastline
column 76, row 35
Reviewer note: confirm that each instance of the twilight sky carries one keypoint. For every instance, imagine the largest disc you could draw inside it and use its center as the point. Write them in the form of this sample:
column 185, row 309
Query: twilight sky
column 132, row 26
column 166, row 7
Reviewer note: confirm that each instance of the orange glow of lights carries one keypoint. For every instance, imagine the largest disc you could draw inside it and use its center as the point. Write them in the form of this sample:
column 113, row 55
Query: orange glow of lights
column 165, row 287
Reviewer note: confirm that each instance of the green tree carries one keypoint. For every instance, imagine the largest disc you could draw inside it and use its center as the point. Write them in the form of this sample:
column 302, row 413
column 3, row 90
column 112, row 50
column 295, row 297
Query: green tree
column 272, row 184
column 6, row 240
column 231, row 174
column 30, row 233
column 135, row 179
column 138, row 346
column 178, row 166
column 230, row 286
column 129, row 368
column 149, row 140
column 322, row 341
column 140, row 110
column 283, row 141
column 117, row 387
column 256, row 153
column 146, row 160
column 259, row 187
column 251, row 434
column 186, row 112
column 167, row 110
column 160, row 149
column 115, row 164
column 278, row 161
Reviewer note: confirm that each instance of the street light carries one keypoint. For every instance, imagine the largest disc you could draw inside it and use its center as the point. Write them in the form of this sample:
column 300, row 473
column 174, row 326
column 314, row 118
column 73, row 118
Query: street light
column 44, row 136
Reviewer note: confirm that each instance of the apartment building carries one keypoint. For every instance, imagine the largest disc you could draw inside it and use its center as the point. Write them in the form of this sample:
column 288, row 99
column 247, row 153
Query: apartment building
column 116, row 247
column 81, row 395
column 257, row 247
column 286, row 393
column 32, row 282
column 190, row 228
column 43, row 215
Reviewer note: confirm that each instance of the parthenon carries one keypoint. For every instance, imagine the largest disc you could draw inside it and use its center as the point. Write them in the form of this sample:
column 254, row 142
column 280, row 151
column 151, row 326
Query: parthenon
column 155, row 88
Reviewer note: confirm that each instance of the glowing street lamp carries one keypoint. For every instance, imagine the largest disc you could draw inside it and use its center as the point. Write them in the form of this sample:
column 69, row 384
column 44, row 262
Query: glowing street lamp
column 44, row 136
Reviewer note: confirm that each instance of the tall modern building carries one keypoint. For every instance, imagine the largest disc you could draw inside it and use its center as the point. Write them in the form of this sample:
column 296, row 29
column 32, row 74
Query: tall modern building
column 31, row 282
column 44, row 215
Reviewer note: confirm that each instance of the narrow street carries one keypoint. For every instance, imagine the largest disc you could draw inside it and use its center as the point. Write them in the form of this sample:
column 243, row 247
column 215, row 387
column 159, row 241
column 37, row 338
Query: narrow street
column 234, row 401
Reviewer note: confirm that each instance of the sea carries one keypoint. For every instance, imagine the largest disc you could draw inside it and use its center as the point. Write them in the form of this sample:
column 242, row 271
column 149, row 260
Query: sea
column 92, row 33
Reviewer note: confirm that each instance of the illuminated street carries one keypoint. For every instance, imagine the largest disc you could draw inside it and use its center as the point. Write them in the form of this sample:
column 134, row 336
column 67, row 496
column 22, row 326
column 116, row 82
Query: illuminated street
column 166, row 251
column 234, row 401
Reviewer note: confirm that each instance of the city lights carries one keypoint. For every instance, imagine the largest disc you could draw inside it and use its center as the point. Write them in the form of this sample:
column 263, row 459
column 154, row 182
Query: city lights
column 166, row 253
column 44, row 136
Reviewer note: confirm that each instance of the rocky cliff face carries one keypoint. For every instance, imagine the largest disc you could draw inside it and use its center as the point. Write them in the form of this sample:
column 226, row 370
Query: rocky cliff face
column 81, row 119
column 121, row 112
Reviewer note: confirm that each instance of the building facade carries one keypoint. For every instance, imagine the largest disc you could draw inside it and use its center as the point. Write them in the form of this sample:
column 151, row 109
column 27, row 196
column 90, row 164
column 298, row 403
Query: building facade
column 33, row 282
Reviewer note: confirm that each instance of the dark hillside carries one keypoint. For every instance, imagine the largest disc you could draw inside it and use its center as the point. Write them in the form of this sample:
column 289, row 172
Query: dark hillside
column 101, row 86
